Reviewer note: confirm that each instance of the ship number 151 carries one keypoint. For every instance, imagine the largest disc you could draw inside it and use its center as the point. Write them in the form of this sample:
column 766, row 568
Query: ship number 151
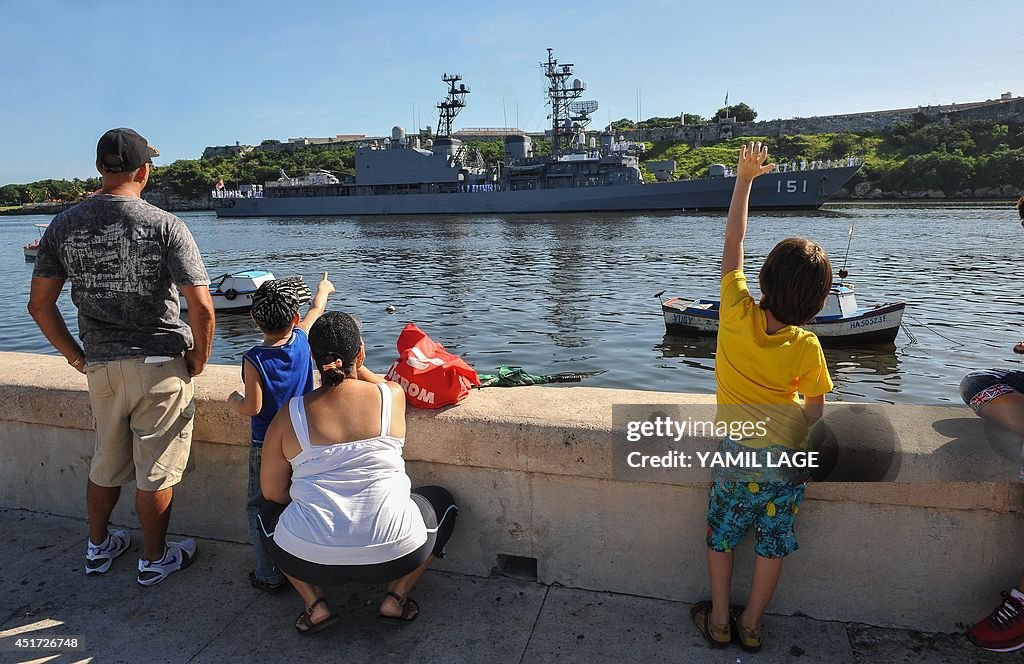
column 791, row 187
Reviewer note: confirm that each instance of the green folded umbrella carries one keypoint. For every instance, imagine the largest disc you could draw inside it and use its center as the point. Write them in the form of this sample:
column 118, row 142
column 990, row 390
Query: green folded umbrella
column 516, row 376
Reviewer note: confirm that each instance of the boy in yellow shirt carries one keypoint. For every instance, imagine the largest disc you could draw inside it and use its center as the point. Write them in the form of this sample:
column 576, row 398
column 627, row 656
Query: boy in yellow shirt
column 763, row 363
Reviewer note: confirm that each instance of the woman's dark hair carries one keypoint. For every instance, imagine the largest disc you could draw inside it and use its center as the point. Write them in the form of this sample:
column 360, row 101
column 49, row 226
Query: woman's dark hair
column 335, row 336
column 795, row 280
column 1020, row 208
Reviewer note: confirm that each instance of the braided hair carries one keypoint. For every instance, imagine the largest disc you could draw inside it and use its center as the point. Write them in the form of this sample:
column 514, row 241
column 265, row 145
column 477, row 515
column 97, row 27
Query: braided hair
column 334, row 341
column 275, row 303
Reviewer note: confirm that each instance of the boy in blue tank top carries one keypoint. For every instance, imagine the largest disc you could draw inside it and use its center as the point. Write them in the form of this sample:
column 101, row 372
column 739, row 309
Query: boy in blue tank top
column 273, row 372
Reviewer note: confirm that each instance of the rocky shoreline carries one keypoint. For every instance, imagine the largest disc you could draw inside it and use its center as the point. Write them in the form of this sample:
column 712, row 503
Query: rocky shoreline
column 161, row 199
column 868, row 191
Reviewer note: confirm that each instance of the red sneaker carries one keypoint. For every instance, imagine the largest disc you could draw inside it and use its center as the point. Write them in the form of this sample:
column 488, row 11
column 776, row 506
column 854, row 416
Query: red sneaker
column 1003, row 629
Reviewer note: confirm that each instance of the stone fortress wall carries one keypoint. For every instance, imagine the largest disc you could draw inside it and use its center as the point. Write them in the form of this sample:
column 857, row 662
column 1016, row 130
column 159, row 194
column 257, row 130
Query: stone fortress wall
column 1005, row 109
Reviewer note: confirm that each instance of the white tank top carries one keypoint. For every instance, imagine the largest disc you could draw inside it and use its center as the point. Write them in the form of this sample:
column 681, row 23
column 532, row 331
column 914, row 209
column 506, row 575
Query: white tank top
column 350, row 501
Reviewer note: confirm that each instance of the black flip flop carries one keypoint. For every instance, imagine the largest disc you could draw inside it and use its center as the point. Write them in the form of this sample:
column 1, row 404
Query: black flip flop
column 272, row 588
column 409, row 608
column 312, row 627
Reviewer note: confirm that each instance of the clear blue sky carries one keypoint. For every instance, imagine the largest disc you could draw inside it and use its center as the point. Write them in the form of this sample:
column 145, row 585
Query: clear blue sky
column 190, row 74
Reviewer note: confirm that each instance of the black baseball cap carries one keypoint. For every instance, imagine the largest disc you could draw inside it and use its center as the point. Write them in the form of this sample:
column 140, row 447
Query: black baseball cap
column 123, row 150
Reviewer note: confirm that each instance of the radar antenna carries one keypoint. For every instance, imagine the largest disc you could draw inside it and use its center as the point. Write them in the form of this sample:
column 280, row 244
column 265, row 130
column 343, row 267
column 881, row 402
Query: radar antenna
column 561, row 95
column 581, row 111
column 452, row 104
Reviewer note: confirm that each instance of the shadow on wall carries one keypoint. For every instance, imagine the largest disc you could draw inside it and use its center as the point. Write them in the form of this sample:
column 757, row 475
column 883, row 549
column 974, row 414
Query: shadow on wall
column 974, row 438
column 857, row 443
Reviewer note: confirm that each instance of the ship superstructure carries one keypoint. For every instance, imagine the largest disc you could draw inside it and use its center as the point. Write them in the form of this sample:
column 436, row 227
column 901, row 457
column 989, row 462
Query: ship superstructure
column 416, row 175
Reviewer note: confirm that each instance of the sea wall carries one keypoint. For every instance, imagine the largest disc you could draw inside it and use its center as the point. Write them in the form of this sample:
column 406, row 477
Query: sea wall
column 539, row 476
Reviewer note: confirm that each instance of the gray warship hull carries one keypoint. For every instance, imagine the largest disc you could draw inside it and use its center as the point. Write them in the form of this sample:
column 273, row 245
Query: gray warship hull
column 792, row 190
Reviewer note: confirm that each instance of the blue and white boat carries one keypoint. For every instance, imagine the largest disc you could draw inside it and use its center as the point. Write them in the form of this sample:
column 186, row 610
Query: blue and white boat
column 840, row 323
column 233, row 292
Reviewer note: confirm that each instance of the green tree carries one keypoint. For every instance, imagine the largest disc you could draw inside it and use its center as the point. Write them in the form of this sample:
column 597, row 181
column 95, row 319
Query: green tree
column 1003, row 166
column 659, row 122
column 541, row 147
column 492, row 152
column 740, row 111
column 622, row 124
column 10, row 195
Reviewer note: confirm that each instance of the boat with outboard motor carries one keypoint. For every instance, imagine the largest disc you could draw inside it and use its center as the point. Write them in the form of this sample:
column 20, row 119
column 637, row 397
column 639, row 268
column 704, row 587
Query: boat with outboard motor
column 233, row 292
column 840, row 322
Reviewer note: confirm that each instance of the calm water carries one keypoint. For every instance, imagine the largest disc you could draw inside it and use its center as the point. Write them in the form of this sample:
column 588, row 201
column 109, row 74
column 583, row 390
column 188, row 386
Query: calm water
column 576, row 293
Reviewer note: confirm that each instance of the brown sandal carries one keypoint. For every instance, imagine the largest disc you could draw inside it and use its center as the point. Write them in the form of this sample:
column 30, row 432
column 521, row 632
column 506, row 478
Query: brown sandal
column 304, row 623
column 750, row 640
column 410, row 610
column 718, row 636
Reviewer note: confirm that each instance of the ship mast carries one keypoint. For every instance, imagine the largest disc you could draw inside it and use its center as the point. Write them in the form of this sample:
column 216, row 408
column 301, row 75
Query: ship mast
column 567, row 115
column 452, row 104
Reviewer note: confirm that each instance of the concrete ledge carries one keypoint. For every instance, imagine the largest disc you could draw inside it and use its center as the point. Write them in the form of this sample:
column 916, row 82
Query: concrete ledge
column 534, row 473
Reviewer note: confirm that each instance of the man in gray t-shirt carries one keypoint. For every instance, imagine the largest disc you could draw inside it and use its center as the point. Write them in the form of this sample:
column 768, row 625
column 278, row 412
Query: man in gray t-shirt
column 127, row 261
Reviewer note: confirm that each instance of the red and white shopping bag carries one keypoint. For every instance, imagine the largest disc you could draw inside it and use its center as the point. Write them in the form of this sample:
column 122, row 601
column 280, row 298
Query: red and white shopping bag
column 431, row 376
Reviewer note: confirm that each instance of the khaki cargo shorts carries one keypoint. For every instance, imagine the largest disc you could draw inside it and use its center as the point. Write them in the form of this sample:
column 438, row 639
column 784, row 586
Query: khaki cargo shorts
column 143, row 414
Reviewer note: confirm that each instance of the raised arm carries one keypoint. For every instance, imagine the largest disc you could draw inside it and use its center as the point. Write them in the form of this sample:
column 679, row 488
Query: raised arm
column 751, row 165
column 319, row 304
column 42, row 306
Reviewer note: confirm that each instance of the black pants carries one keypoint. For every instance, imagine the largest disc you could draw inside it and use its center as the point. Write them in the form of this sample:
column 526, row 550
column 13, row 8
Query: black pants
column 438, row 509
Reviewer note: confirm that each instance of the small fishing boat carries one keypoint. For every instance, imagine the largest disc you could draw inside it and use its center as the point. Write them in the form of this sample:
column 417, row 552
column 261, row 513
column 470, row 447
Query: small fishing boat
column 233, row 292
column 32, row 248
column 840, row 323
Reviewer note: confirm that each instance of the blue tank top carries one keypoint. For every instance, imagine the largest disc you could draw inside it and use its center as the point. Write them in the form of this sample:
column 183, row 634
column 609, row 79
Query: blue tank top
column 285, row 371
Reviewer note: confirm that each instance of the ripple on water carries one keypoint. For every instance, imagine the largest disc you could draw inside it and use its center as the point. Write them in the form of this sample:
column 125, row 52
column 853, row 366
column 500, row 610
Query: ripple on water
column 576, row 292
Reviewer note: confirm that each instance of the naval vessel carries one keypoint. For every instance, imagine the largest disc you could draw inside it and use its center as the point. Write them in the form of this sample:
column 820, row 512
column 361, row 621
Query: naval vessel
column 583, row 173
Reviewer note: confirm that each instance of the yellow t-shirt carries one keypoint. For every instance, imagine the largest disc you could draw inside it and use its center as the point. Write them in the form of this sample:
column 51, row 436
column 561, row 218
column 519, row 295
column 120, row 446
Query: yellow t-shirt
column 759, row 375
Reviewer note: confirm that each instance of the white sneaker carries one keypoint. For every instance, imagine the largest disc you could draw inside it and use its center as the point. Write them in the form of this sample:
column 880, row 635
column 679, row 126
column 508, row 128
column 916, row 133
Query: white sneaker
column 99, row 558
column 177, row 556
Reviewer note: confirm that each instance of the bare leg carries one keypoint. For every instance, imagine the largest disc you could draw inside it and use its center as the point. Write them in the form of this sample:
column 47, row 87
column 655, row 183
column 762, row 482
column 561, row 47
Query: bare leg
column 154, row 508
column 100, row 501
column 402, row 587
column 309, row 594
column 766, row 577
column 1007, row 410
column 720, row 571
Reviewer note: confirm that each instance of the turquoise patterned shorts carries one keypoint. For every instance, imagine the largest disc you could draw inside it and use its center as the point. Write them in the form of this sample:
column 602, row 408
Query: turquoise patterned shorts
column 770, row 507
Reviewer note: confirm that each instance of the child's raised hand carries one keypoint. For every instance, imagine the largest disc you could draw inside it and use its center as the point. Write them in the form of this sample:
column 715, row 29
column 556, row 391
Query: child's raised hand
column 325, row 286
column 752, row 161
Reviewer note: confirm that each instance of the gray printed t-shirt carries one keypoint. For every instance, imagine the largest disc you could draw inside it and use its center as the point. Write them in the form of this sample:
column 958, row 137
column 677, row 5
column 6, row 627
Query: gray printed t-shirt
column 125, row 259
